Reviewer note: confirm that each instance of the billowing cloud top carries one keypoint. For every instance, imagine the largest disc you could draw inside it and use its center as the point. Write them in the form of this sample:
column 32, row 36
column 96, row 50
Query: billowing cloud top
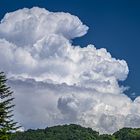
column 56, row 82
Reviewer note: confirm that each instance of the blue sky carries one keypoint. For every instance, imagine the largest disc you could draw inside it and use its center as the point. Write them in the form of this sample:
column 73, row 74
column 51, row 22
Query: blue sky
column 47, row 70
column 114, row 25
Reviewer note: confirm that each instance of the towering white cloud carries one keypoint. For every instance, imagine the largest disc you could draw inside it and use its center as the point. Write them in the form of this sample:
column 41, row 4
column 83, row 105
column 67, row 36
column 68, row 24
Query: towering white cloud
column 56, row 82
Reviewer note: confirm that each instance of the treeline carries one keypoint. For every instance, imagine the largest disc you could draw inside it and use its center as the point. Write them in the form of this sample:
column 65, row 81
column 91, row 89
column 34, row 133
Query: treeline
column 74, row 132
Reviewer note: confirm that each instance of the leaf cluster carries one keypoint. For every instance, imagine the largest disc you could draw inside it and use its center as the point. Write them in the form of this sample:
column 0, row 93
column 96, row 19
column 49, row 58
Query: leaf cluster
column 75, row 132
column 7, row 124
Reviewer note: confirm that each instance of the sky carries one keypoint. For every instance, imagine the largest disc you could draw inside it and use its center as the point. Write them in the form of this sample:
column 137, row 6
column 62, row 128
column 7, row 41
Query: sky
column 73, row 62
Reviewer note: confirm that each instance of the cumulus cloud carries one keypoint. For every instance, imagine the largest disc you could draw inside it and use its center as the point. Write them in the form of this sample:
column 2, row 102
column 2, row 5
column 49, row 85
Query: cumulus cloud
column 55, row 82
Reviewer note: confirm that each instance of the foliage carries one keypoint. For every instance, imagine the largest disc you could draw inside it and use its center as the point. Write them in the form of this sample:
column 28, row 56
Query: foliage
column 128, row 134
column 74, row 132
column 65, row 132
column 107, row 137
column 6, row 122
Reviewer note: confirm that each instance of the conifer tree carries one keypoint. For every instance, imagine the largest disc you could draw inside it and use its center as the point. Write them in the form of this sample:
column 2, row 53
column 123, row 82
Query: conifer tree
column 7, row 124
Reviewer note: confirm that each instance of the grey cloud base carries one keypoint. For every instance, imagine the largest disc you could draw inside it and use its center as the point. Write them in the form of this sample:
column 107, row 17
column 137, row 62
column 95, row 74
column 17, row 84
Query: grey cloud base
column 56, row 82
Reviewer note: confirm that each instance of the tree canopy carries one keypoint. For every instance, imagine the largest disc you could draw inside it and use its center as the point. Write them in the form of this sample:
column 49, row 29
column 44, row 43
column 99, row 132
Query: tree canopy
column 7, row 124
column 74, row 132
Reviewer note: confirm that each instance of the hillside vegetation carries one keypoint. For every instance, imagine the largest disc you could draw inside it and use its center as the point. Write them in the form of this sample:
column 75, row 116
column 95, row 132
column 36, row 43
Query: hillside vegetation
column 74, row 132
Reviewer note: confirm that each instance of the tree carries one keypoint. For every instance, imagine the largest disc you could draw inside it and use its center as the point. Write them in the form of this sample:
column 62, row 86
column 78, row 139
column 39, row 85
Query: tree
column 7, row 124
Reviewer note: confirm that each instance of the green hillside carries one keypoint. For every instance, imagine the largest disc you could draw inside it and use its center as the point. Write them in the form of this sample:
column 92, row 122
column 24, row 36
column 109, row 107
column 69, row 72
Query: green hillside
column 75, row 132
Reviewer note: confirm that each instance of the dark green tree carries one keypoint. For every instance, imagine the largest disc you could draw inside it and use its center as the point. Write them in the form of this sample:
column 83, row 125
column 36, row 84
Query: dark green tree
column 7, row 124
